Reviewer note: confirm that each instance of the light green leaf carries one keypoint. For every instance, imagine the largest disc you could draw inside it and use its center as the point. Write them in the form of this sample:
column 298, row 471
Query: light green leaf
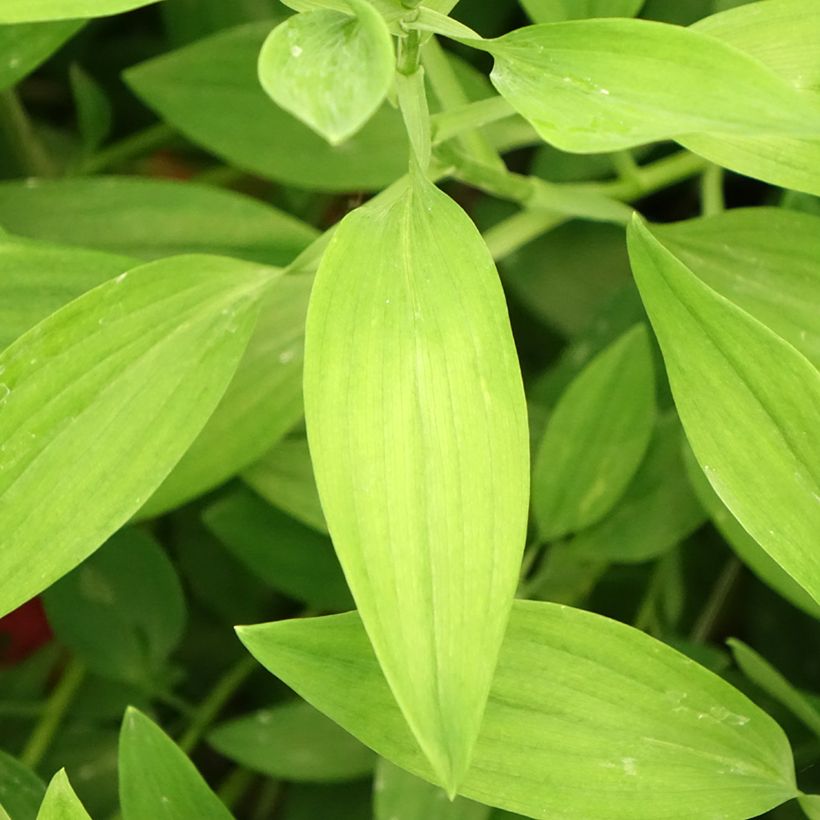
column 748, row 402
column 284, row 477
column 151, row 218
column 4, row 814
column 329, row 69
column 122, row 610
column 764, row 260
column 116, row 383
column 763, row 674
column 595, row 438
column 24, row 47
column 293, row 741
column 94, row 116
column 810, row 803
column 21, row 791
column 288, row 556
column 193, row 87
column 417, row 427
column 783, row 34
column 156, row 778
column 60, row 802
column 555, row 11
column 609, row 723
column 399, row 795
column 24, row 11
column 604, row 85
column 657, row 511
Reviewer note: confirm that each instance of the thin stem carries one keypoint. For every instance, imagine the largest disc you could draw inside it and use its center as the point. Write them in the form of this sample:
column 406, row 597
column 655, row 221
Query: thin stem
column 223, row 691
column 407, row 62
column 269, row 796
column 520, row 229
column 711, row 190
column 130, row 148
column 706, row 621
column 56, row 706
column 234, row 786
column 22, row 137
column 454, row 121
column 625, row 166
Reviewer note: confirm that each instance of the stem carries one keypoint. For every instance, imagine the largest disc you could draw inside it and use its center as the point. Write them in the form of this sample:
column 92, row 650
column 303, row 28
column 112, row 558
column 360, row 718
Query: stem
column 625, row 166
column 710, row 613
column 235, row 785
column 55, row 709
column 407, row 62
column 22, row 137
column 136, row 145
column 461, row 118
column 269, row 796
column 520, row 229
column 222, row 692
column 711, row 190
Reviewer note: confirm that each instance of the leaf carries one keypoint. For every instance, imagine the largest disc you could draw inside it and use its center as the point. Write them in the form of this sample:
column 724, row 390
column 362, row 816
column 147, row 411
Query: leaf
column 657, row 511
column 116, row 383
column 24, row 11
column 783, row 35
column 764, row 260
column 610, row 722
column 193, row 87
column 122, row 610
column 94, row 115
column 767, row 678
column 329, row 69
column 555, row 11
column 417, row 428
column 399, row 795
column 24, row 47
column 810, row 803
column 60, row 802
column 293, row 741
column 21, row 791
column 588, row 456
column 289, row 557
column 604, row 85
column 156, row 778
column 151, row 218
column 284, row 478
column 748, row 402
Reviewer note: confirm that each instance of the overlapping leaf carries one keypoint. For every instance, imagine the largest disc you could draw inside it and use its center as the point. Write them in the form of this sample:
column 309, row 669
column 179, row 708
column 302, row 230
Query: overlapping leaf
column 554, row 11
column 24, row 47
column 24, row 11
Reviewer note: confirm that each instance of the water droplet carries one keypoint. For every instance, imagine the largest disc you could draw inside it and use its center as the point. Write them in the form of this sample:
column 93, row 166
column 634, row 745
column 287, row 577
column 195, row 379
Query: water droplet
column 121, row 278
column 630, row 766
column 286, row 356
column 295, row 51
column 5, row 392
column 604, row 91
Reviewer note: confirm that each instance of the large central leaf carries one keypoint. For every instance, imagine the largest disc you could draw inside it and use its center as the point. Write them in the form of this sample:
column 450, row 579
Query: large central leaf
column 418, row 434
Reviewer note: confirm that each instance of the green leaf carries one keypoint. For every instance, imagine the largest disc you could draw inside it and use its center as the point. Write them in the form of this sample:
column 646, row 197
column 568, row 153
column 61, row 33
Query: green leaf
column 60, row 802
column 151, row 218
column 193, row 87
column 293, row 741
column 782, row 34
column 116, row 383
column 24, row 11
column 330, row 70
column 288, row 556
column 24, row 47
column 776, row 252
column 810, row 803
column 604, row 85
column 399, row 795
column 748, row 402
column 588, row 456
column 555, row 11
column 21, row 791
column 417, row 427
column 587, row 718
column 765, row 676
column 122, row 610
column 94, row 115
column 156, row 778
column 657, row 511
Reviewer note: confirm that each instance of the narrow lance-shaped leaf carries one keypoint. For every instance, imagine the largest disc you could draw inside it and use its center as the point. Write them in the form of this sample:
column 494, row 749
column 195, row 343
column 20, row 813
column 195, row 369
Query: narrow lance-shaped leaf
column 595, row 438
column 417, row 428
column 60, row 802
column 587, row 718
column 749, row 404
column 605, row 85
column 24, row 11
column 115, row 384
column 329, row 69
column 21, row 790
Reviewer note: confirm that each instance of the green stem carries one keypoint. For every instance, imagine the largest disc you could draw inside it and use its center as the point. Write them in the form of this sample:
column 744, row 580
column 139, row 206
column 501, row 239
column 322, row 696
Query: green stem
column 710, row 613
column 223, row 691
column 625, row 166
column 465, row 118
column 234, row 786
column 56, row 706
column 520, row 229
column 711, row 190
column 22, row 137
column 407, row 62
column 269, row 796
column 132, row 147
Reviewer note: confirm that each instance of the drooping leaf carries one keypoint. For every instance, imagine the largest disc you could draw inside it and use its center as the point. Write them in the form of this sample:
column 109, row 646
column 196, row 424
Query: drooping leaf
column 609, row 722
column 748, row 402
column 24, row 11
column 193, row 87
column 330, row 69
column 60, row 802
column 417, row 429
column 21, row 791
column 151, row 218
column 764, row 260
column 24, row 47
column 116, row 383
column 293, row 741
column 157, row 780
column 588, row 456
column 287, row 555
column 603, row 85
column 122, row 610
column 554, row 11
column 94, row 115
